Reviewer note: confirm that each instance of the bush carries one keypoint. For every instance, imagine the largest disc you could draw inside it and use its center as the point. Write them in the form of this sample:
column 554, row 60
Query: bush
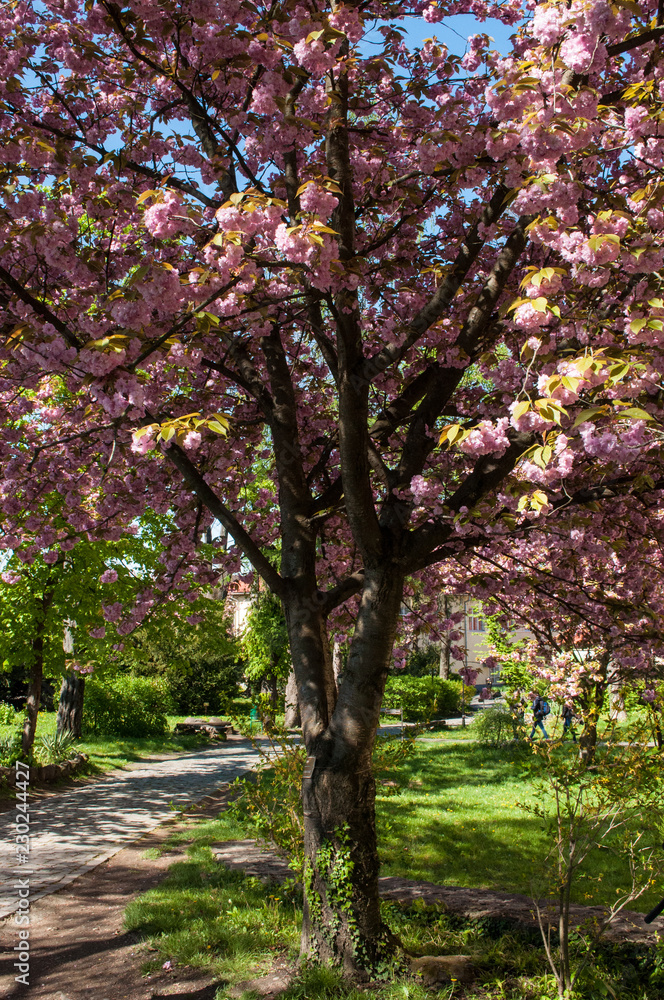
column 495, row 727
column 55, row 748
column 8, row 714
column 10, row 748
column 425, row 698
column 423, row 663
column 125, row 706
column 206, row 691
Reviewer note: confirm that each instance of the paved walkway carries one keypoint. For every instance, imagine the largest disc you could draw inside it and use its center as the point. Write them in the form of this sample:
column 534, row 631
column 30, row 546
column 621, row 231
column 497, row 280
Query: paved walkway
column 75, row 830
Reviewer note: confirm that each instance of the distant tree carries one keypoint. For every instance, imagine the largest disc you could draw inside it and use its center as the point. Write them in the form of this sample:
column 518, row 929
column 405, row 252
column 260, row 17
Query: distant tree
column 265, row 647
column 201, row 663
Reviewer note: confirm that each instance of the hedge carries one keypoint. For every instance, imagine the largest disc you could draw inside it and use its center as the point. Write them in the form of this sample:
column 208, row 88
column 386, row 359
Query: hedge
column 425, row 698
column 125, row 706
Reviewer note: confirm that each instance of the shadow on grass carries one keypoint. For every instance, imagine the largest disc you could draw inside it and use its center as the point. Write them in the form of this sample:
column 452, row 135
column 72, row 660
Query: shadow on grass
column 204, row 915
column 461, row 822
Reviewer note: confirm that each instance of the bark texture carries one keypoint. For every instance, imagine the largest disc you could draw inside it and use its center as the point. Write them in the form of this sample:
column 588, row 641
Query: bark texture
column 70, row 705
column 292, row 709
column 342, row 921
column 34, row 695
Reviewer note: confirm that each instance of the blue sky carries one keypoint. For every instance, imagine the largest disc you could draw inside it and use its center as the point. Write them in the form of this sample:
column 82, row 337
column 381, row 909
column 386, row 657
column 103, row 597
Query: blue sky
column 454, row 31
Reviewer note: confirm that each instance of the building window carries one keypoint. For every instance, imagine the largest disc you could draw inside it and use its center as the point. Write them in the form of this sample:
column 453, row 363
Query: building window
column 476, row 623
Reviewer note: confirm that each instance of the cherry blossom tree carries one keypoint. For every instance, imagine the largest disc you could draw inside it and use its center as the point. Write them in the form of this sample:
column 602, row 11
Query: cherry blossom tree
column 371, row 306
column 589, row 587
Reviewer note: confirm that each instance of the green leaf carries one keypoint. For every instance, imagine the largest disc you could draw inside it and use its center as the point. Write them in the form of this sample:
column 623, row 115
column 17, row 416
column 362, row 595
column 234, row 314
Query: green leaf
column 637, row 413
column 588, row 414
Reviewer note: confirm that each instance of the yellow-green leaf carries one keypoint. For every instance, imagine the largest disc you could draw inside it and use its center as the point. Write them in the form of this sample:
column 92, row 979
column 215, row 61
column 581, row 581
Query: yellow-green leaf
column 637, row 413
column 588, row 414
column 145, row 195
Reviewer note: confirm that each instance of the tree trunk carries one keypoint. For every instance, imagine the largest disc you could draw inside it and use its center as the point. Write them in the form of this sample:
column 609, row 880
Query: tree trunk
column 337, row 662
column 342, row 921
column 444, row 664
column 70, row 706
column 292, row 708
column 34, row 694
column 618, row 713
column 592, row 703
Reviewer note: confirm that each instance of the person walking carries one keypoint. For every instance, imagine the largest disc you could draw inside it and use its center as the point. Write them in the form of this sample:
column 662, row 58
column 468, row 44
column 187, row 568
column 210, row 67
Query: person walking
column 540, row 711
column 568, row 721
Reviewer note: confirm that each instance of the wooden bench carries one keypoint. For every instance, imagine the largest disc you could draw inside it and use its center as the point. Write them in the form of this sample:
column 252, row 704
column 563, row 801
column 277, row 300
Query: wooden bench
column 216, row 728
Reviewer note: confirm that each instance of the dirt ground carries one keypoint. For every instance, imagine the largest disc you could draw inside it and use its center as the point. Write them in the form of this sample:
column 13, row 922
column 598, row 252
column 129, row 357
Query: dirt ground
column 79, row 949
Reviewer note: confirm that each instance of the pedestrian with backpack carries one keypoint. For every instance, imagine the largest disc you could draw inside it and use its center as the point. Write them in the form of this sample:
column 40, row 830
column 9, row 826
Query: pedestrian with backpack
column 568, row 721
column 540, row 711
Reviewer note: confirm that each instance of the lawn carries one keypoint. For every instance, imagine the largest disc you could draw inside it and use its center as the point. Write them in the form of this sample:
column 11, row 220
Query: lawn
column 206, row 916
column 459, row 820
column 108, row 752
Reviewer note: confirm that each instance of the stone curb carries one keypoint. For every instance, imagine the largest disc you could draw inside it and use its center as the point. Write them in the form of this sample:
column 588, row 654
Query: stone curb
column 47, row 772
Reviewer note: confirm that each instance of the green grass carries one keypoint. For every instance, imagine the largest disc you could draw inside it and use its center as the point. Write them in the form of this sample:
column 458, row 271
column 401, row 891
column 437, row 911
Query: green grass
column 108, row 752
column 206, row 916
column 229, row 924
column 458, row 821
column 462, row 824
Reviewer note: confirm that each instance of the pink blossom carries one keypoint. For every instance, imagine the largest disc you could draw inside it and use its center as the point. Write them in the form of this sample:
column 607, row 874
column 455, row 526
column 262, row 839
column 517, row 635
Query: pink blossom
column 160, row 219
column 316, row 199
column 192, row 441
column 142, row 441
column 579, row 51
column 109, row 576
column 487, row 438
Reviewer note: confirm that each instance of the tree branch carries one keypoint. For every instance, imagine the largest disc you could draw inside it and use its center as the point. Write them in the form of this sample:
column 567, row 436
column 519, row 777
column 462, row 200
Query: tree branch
column 443, row 296
column 195, row 480
column 635, row 41
column 39, row 307
column 488, row 473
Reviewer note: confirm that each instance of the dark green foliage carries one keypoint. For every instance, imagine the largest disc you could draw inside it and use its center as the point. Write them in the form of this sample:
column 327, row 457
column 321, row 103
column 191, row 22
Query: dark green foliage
column 125, row 706
column 424, row 698
column 423, row 663
column 208, row 689
column 199, row 666
column 496, row 727
column 265, row 640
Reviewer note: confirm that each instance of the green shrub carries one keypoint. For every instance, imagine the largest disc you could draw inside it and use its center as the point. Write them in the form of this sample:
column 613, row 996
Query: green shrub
column 208, row 690
column 55, row 748
column 125, row 706
column 11, row 748
column 8, row 714
column 422, row 663
column 425, row 698
column 495, row 727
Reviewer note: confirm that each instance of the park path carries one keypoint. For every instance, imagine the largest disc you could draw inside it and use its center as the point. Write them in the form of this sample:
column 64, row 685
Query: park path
column 73, row 831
